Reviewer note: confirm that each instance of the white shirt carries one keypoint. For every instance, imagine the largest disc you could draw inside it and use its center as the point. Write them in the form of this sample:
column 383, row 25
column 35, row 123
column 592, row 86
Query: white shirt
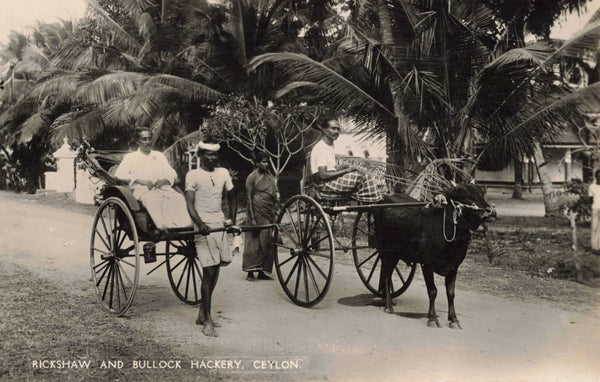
column 208, row 187
column 594, row 191
column 322, row 155
column 152, row 167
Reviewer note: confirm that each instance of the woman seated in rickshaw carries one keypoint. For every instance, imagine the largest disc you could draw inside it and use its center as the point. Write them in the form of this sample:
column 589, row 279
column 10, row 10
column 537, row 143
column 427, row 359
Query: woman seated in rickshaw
column 151, row 179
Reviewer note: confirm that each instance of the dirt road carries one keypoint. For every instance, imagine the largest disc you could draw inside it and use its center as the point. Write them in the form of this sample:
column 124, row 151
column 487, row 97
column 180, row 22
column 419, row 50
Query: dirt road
column 344, row 338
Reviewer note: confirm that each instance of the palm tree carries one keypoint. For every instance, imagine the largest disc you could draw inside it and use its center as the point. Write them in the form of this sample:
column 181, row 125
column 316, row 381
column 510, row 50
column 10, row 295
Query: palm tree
column 29, row 57
column 393, row 74
column 535, row 17
column 160, row 64
column 254, row 27
column 427, row 75
column 104, row 80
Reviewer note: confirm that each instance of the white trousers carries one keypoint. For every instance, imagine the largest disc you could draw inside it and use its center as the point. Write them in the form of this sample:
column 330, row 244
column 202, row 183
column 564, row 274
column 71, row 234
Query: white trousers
column 166, row 207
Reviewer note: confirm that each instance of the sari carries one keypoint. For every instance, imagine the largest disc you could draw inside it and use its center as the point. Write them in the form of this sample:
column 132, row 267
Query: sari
column 258, row 245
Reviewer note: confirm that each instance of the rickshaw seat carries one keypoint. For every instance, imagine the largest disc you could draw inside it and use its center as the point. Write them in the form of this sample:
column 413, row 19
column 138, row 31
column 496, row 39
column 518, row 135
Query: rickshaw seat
column 314, row 190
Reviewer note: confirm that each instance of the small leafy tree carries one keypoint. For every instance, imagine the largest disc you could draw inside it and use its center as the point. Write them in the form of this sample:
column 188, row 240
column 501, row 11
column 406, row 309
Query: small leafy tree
column 576, row 211
column 247, row 125
column 30, row 160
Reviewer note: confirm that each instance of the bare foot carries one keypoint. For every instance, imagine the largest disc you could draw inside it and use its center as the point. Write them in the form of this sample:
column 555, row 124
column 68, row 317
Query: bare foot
column 201, row 318
column 209, row 330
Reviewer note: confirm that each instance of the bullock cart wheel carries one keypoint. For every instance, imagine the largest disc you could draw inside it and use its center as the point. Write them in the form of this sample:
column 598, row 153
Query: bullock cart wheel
column 367, row 259
column 304, row 251
column 184, row 270
column 114, row 256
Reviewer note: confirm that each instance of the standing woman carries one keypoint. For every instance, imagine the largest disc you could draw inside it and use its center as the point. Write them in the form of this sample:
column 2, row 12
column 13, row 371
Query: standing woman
column 262, row 204
column 594, row 191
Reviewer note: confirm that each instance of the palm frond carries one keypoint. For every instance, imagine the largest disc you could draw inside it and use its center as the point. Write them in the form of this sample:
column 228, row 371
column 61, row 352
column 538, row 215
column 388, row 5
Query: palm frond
column 341, row 91
column 110, row 86
column 294, row 86
column 120, row 112
column 182, row 145
column 585, row 40
column 536, row 54
column 77, row 125
column 473, row 15
column 32, row 126
column 555, row 114
column 121, row 36
column 595, row 17
column 188, row 90
column 27, row 69
column 33, row 53
column 75, row 55
column 588, row 38
column 60, row 83
column 157, row 128
column 11, row 118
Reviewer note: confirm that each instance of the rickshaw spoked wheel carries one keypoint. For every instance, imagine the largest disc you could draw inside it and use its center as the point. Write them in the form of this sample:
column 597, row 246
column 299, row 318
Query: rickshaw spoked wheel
column 184, row 270
column 367, row 259
column 114, row 256
column 304, row 251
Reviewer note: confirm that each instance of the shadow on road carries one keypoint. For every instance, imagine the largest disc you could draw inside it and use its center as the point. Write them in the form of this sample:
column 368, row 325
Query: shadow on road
column 359, row 300
column 413, row 315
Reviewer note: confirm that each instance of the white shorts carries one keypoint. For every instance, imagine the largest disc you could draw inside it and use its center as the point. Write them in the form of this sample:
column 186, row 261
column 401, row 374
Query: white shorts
column 213, row 249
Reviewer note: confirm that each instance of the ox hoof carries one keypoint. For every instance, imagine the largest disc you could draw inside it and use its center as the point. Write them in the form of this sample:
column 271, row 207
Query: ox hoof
column 434, row 324
column 454, row 325
column 389, row 310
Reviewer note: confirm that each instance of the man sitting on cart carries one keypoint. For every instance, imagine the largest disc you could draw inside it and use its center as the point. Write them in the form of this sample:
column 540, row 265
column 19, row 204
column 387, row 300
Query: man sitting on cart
column 342, row 179
column 204, row 188
column 151, row 179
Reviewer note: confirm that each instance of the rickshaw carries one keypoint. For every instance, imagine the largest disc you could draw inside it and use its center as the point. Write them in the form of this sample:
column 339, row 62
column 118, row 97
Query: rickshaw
column 120, row 225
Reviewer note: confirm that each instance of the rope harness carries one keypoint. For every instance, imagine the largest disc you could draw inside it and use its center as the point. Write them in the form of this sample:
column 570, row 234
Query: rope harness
column 457, row 211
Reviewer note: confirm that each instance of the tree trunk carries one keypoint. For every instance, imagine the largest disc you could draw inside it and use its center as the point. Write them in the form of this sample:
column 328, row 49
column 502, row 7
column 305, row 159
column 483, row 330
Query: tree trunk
column 238, row 30
column 163, row 9
column 518, row 188
column 551, row 204
column 488, row 243
column 386, row 22
column 573, row 220
column 396, row 155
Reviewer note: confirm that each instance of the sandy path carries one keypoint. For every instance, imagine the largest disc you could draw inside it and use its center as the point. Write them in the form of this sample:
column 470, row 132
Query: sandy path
column 345, row 337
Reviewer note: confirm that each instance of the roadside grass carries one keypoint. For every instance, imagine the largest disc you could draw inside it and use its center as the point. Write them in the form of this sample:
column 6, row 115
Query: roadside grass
column 40, row 321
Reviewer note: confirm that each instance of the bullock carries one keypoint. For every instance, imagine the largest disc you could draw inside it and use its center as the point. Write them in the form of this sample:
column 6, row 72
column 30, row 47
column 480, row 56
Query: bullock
column 436, row 236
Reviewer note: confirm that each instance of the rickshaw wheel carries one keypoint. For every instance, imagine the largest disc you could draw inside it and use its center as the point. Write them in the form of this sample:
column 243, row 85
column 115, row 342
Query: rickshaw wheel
column 304, row 251
column 184, row 270
column 114, row 256
column 367, row 259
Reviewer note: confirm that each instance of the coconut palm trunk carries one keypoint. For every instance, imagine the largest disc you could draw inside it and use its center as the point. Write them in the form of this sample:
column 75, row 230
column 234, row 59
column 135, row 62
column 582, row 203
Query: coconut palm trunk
column 551, row 204
column 518, row 188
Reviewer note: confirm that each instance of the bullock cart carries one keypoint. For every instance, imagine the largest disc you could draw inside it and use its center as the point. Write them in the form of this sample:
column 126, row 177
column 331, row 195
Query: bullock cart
column 123, row 234
column 310, row 234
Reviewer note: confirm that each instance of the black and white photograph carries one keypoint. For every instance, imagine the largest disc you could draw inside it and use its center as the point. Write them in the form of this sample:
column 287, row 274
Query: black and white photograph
column 300, row 190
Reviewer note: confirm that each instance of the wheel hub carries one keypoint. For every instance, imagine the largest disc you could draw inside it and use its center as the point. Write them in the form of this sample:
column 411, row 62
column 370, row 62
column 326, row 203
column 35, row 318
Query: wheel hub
column 107, row 256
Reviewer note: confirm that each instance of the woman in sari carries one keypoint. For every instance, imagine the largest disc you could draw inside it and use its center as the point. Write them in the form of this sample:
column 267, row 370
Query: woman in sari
column 263, row 200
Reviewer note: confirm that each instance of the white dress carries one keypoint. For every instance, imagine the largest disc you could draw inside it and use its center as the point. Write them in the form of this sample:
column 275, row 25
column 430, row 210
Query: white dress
column 166, row 207
column 594, row 191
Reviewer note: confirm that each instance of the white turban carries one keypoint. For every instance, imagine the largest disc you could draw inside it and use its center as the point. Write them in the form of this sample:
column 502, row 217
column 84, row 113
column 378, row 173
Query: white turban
column 209, row 146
